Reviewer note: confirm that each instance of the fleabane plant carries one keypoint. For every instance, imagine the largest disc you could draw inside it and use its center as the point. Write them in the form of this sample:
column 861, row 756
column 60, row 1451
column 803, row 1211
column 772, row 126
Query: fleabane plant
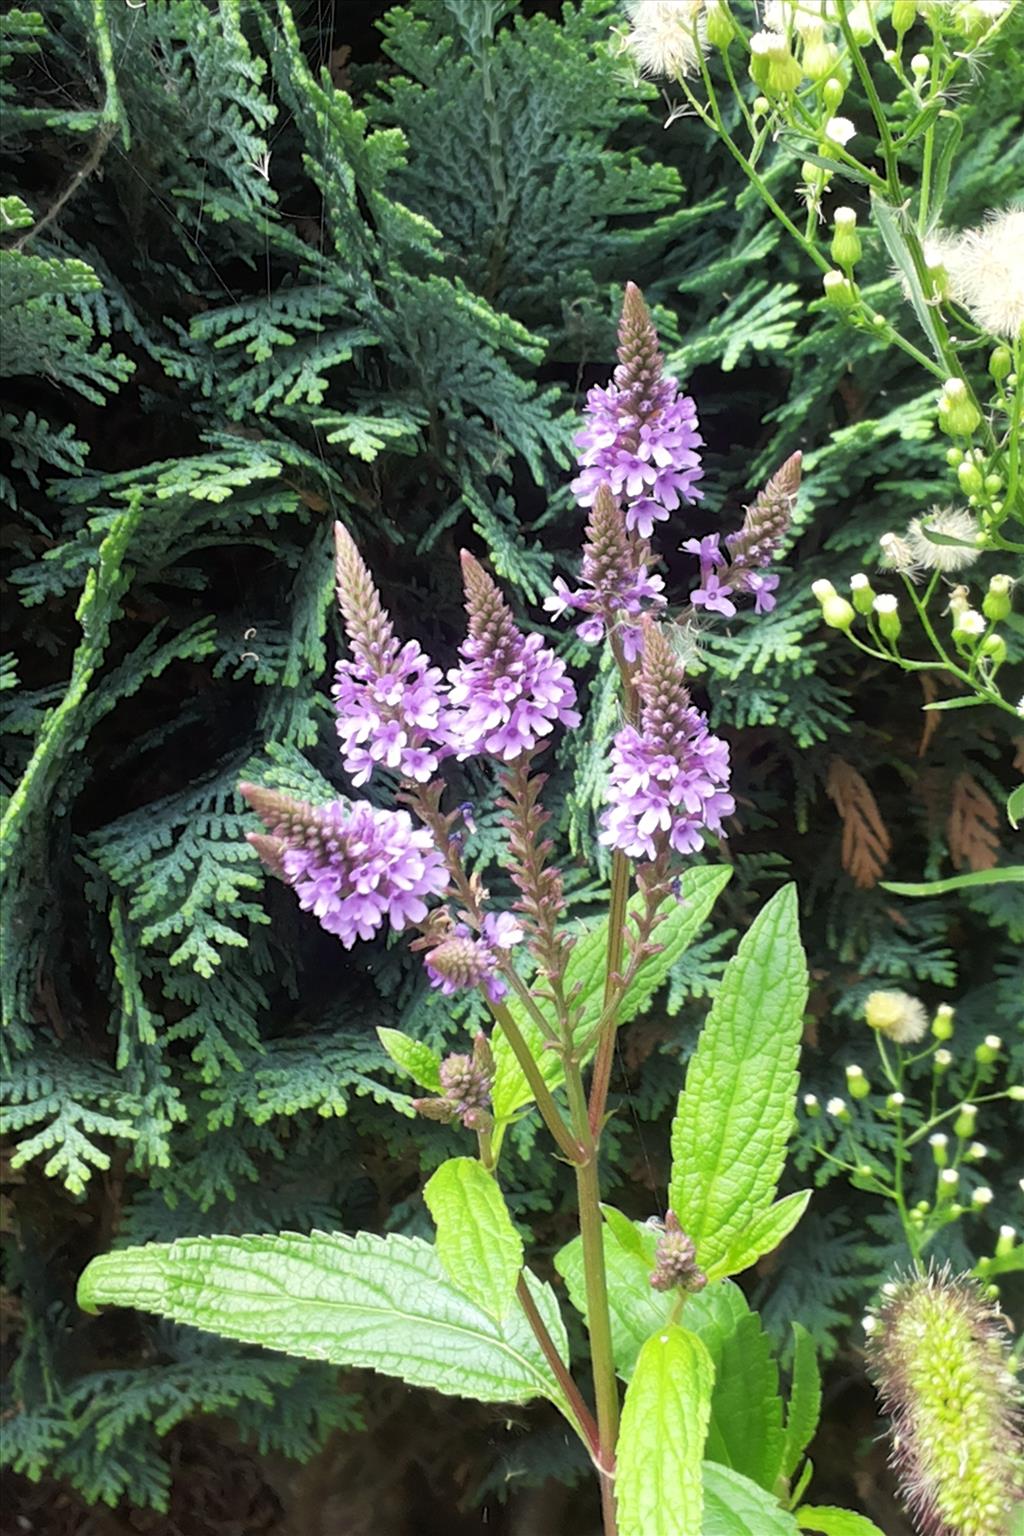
column 700, row 1440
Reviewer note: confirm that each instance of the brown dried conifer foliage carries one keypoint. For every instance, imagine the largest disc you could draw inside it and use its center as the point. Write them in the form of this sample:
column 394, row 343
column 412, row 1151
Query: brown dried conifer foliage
column 866, row 841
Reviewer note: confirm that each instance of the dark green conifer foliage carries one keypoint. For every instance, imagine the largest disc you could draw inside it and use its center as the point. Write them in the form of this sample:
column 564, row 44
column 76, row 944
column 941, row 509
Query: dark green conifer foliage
column 239, row 305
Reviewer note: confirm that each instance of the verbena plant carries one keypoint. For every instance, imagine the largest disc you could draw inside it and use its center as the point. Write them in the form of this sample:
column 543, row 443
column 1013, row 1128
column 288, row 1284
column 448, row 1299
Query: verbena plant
column 702, row 1425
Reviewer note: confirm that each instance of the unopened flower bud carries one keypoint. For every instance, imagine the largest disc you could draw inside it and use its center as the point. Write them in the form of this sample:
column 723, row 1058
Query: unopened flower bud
column 1000, row 363
column 835, row 610
column 982, row 1196
column 904, row 14
column 857, row 1085
column 478, row 1120
column 819, row 57
column 1016, row 1093
column 997, row 602
column 435, row 1109
column 839, row 291
column 833, row 91
column 718, row 24
column 815, row 176
column 675, row 1260
column 993, row 651
column 958, row 414
column 972, row 481
column 861, row 592
column 947, row 1183
column 895, row 1101
column 942, row 1024
column 846, row 246
column 861, row 22
column 942, row 1061
column 760, row 106
column 919, row 65
column 839, row 130
column 963, row 1125
column 837, row 1109
column 812, row 1109
column 886, row 612
column 1006, row 1241
column 989, row 1049
column 976, row 1152
column 939, row 1143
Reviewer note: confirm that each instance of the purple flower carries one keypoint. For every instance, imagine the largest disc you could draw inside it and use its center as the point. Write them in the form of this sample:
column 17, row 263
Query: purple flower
column 669, row 777
column 708, row 552
column 642, row 515
column 614, row 587
column 511, row 690
column 354, row 867
column 461, row 961
column 390, row 701
column 714, row 595
column 762, row 586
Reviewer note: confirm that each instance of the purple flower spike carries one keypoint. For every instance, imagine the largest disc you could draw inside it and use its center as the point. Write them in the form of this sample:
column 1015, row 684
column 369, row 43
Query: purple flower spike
column 614, row 586
column 668, row 781
column 510, row 690
column 461, row 961
column 354, row 867
column 390, row 701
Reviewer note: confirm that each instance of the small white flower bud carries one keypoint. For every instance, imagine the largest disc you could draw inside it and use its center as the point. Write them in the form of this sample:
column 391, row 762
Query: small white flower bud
column 982, row 1196
column 976, row 1151
column 840, row 130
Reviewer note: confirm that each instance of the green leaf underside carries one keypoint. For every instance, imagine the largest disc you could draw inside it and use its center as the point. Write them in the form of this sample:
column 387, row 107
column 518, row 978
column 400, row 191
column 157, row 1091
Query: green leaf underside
column 737, row 1111
column 745, row 1431
column 664, row 1421
column 476, row 1242
column 675, row 934
column 382, row 1303
column 1015, row 807
column 804, row 1408
column 1009, row 874
column 414, row 1057
column 764, row 1234
column 826, row 1520
column 734, row 1506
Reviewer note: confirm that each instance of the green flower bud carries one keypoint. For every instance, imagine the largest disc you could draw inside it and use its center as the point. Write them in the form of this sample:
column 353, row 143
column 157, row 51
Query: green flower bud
column 860, row 592
column 946, row 1184
column 942, row 1024
column 958, row 414
column 833, row 92
column 839, row 291
column 972, row 481
column 760, row 59
column 857, row 1085
column 940, row 1362
column 988, row 1051
column 815, row 176
column 886, row 612
column 941, row 1062
column 812, row 1109
column 997, row 601
column 968, row 628
column 981, row 1197
column 993, row 650
column 819, row 57
column 784, row 75
column 761, row 106
column 1000, row 363
column 993, row 483
column 904, row 14
column 1006, row 1241
column 846, row 246
column 963, row 1125
column 919, row 66
column 718, row 24
column 1016, row 1093
column 952, row 457
column 895, row 1102
column 861, row 23
column 939, row 1143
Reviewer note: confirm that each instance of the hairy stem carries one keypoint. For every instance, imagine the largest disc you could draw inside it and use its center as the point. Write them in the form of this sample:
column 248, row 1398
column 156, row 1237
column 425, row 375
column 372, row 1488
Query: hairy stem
column 585, row 1421
column 549, row 1110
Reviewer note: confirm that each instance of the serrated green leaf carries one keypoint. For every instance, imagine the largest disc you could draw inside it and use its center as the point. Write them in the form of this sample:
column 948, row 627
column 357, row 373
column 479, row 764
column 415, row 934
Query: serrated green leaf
column 476, row 1242
column 1009, row 874
column 414, row 1057
column 734, row 1506
column 764, row 1234
column 745, row 1431
column 636, row 1310
column 664, row 1422
column 585, row 982
column 829, row 1521
column 383, row 1303
column 737, row 1111
column 1015, row 807
column 804, row 1409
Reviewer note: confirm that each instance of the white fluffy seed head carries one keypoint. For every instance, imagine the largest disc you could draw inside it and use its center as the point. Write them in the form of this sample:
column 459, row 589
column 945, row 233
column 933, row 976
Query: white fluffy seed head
column 949, row 523
column 988, row 273
column 667, row 37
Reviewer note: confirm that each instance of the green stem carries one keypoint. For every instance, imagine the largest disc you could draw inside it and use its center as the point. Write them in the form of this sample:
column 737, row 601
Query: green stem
column 549, row 1110
column 617, row 907
column 585, row 1421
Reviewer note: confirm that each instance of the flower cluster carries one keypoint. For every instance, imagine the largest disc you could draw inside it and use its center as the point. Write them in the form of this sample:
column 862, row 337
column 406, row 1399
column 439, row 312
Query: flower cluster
column 465, row 1083
column 352, row 866
column 461, row 960
column 390, row 701
column 614, row 590
column 668, row 778
column 675, row 1260
column 511, row 690
column 740, row 571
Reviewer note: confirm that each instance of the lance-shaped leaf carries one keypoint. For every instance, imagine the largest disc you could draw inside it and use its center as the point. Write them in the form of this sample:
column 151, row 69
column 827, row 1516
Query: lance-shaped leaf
column 385, row 1303
column 476, row 1241
column 414, row 1057
column 664, row 1423
column 804, row 1408
column 635, row 1309
column 734, row 1506
column 584, row 983
column 745, row 1430
column 737, row 1111
column 763, row 1234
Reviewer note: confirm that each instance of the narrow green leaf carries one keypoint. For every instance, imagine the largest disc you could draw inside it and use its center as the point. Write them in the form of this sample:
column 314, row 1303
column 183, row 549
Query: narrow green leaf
column 804, row 1408
column 414, row 1057
column 384, row 1303
column 585, row 982
column 829, row 1521
column 661, row 1442
column 1015, row 807
column 888, row 221
column 764, row 1234
column 943, row 704
column 476, row 1241
column 737, row 1111
column 745, row 1431
column 734, row 1506
column 1009, row 874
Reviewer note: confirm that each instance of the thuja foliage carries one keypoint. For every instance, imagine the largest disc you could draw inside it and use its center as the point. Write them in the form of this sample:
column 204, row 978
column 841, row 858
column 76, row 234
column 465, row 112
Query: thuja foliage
column 243, row 306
